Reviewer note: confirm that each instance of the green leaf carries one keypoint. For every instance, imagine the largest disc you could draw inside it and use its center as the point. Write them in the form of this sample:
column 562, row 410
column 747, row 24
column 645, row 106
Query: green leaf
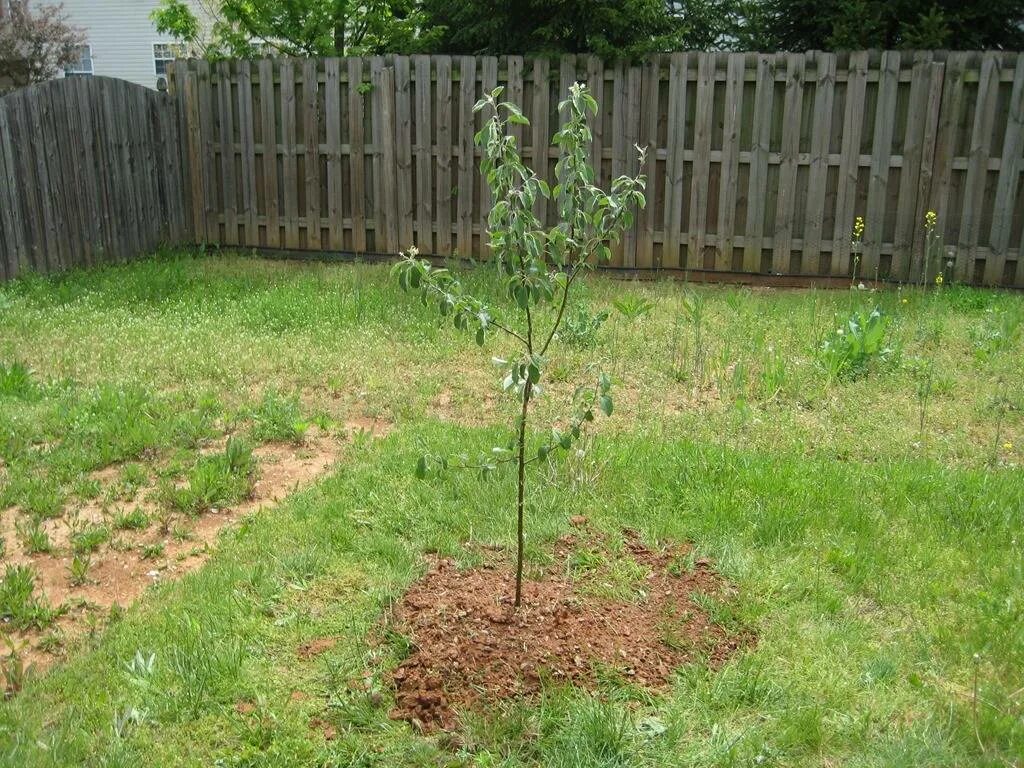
column 480, row 336
column 421, row 467
column 606, row 405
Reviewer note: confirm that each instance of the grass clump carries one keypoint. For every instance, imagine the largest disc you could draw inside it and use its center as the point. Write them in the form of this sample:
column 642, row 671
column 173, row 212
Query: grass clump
column 89, row 539
column 20, row 608
column 216, row 480
column 17, row 380
column 131, row 520
column 278, row 419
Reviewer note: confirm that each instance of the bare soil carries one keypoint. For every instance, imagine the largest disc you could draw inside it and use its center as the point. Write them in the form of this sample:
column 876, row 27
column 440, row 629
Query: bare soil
column 471, row 648
column 121, row 570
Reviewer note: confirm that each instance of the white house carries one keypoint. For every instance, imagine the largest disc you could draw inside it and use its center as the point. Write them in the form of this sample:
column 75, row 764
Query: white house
column 121, row 40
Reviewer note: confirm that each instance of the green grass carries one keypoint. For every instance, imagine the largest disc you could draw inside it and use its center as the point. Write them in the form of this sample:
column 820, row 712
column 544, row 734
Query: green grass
column 878, row 565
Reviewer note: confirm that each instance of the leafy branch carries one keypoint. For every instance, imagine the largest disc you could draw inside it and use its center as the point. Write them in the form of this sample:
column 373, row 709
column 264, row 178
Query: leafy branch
column 539, row 267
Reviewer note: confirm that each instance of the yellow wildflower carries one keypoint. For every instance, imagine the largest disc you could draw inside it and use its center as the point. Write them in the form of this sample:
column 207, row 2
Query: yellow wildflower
column 930, row 220
column 858, row 228
column 938, row 279
column 1008, row 446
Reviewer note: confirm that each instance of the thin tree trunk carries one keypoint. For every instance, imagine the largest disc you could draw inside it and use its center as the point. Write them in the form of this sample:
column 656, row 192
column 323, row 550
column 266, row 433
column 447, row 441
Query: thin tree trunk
column 520, row 500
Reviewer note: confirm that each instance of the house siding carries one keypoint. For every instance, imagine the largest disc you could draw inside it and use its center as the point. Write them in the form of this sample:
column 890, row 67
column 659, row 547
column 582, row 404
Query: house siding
column 121, row 35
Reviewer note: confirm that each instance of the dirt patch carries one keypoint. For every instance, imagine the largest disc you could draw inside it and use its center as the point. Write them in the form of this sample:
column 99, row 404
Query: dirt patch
column 314, row 648
column 166, row 547
column 470, row 647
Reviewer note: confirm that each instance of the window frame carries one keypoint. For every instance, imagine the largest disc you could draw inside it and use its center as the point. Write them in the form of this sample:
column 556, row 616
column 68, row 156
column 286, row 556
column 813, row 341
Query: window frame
column 68, row 72
column 170, row 45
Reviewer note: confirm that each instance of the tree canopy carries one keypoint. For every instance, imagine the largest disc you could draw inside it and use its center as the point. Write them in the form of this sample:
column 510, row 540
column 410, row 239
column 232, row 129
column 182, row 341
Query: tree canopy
column 608, row 28
column 35, row 43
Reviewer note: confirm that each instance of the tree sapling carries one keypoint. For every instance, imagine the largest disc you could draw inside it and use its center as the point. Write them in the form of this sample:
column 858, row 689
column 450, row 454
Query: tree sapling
column 539, row 265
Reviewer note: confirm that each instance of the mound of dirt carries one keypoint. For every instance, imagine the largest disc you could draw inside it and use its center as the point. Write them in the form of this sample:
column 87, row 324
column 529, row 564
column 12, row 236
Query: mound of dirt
column 470, row 647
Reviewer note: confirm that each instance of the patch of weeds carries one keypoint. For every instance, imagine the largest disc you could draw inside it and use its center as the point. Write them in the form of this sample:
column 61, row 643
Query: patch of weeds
column 581, row 327
column 859, row 344
column 620, row 578
column 87, row 488
column 152, row 551
column 78, row 570
column 135, row 520
column 19, row 605
column 37, row 495
column 17, row 380
column 51, row 642
column 13, row 670
column 89, row 539
column 132, row 479
column 216, row 480
column 34, row 537
column 279, row 419
column 998, row 330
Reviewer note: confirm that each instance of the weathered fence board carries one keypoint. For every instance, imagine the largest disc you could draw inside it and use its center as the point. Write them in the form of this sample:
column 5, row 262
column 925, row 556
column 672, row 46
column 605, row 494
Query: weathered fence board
column 91, row 171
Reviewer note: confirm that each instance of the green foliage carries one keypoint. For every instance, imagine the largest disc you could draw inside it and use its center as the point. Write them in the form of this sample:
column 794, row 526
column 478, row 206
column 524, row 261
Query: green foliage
column 628, row 28
column 78, row 569
column 34, row 537
column 998, row 330
column 16, row 380
column 797, row 25
column 632, row 307
column 862, row 341
column 134, row 520
column 244, row 29
column 581, row 327
column 89, row 539
column 19, row 606
column 216, row 480
column 538, row 268
column 279, row 419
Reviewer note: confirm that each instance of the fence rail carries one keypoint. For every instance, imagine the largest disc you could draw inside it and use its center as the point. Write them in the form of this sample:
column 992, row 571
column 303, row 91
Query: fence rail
column 758, row 163
column 91, row 172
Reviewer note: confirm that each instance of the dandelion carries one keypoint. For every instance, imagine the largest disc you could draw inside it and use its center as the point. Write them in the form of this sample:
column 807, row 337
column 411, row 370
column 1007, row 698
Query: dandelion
column 860, row 287
column 904, row 299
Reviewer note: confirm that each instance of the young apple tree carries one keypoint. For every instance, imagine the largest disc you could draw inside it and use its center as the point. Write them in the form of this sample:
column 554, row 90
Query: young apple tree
column 539, row 266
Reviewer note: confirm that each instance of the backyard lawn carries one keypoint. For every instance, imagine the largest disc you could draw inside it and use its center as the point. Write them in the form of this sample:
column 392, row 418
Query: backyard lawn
column 210, row 513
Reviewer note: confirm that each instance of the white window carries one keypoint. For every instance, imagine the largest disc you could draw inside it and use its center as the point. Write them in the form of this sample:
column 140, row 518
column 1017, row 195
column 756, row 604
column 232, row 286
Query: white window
column 82, row 67
column 164, row 54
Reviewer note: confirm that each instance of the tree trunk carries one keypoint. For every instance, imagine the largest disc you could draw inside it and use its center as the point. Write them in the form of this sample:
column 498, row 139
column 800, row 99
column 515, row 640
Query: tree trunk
column 521, row 496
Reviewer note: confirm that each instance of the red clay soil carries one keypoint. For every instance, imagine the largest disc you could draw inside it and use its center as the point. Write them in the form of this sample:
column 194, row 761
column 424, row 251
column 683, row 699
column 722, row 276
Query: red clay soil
column 471, row 648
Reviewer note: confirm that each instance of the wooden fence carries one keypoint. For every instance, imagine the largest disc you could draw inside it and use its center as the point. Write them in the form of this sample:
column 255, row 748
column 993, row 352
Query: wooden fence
column 90, row 171
column 758, row 163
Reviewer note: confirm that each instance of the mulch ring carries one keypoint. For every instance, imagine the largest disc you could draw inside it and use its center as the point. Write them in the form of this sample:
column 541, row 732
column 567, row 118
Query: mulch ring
column 470, row 648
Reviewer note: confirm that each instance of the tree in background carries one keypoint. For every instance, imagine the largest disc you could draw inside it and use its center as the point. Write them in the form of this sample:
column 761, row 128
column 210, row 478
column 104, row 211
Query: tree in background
column 35, row 45
column 611, row 29
column 798, row 25
column 608, row 28
column 248, row 28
